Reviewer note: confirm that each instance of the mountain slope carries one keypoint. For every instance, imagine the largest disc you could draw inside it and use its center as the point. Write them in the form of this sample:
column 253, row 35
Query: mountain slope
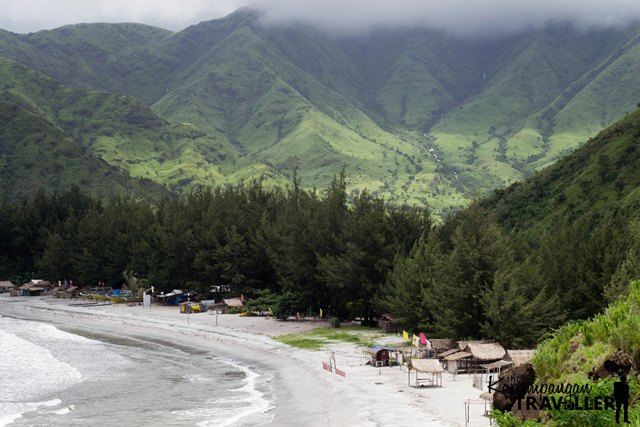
column 126, row 134
column 600, row 177
column 35, row 155
column 416, row 115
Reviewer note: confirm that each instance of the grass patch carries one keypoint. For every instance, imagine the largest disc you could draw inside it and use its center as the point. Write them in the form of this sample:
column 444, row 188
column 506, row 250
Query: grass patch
column 318, row 338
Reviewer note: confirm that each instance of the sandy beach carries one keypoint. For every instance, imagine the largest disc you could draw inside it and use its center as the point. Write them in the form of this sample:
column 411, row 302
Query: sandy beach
column 306, row 394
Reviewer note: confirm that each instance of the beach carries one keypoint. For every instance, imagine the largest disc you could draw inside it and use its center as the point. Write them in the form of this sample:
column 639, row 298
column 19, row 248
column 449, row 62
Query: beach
column 300, row 391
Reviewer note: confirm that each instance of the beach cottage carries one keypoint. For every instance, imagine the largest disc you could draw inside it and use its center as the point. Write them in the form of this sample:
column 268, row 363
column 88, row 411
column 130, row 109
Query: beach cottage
column 231, row 303
column 6, row 286
column 484, row 353
column 388, row 324
column 30, row 290
column 431, row 367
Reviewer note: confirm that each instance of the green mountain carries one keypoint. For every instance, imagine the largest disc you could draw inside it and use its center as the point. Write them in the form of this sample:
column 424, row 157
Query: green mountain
column 123, row 132
column 417, row 115
column 601, row 177
column 36, row 155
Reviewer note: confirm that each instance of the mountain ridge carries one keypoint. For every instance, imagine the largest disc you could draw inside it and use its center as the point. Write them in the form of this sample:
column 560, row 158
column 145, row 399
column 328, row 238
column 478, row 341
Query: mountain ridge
column 413, row 114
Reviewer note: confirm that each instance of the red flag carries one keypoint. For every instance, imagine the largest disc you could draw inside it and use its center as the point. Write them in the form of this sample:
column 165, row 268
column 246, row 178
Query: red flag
column 423, row 339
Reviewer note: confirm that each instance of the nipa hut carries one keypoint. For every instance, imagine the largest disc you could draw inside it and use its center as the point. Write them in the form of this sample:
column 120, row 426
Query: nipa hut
column 230, row 303
column 30, row 290
column 6, row 286
column 387, row 323
column 441, row 345
column 484, row 353
column 519, row 357
column 459, row 361
column 426, row 366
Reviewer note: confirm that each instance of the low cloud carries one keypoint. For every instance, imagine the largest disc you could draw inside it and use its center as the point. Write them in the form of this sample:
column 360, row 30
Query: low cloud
column 341, row 16
column 33, row 15
column 455, row 16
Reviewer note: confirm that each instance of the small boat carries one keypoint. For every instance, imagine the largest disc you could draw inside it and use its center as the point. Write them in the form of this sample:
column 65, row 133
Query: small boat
column 248, row 314
column 117, row 296
column 193, row 307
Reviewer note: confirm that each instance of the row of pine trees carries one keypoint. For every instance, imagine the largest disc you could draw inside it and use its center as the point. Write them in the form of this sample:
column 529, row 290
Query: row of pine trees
column 351, row 255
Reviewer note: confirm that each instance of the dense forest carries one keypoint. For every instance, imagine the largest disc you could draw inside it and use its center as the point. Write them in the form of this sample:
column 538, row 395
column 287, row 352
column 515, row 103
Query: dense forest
column 354, row 256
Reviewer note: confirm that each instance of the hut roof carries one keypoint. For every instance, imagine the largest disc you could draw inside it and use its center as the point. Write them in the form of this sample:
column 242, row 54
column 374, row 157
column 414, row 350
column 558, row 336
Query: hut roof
column 388, row 317
column 6, row 285
column 485, row 351
column 461, row 345
column 428, row 366
column 498, row 364
column 458, row 355
column 440, row 344
column 234, row 302
column 448, row 352
column 519, row 356
column 26, row 286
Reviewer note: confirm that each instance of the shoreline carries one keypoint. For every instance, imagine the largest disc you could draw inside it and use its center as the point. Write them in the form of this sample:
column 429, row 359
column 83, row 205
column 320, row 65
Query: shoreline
column 304, row 393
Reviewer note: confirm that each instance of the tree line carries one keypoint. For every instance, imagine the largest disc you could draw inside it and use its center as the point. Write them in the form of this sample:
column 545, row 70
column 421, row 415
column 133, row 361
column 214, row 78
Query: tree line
column 351, row 255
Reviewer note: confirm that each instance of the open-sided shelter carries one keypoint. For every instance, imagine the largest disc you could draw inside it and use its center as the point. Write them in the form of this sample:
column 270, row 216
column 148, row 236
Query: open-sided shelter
column 448, row 352
column 431, row 367
column 459, row 361
column 484, row 353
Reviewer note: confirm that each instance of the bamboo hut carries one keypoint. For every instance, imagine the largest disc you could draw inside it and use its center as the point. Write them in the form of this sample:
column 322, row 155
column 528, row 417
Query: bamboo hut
column 459, row 361
column 484, row 353
column 518, row 357
column 448, row 353
column 388, row 324
column 441, row 345
column 6, row 286
column 431, row 367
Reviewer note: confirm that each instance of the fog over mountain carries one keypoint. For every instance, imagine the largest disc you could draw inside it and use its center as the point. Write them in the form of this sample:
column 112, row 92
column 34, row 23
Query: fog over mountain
column 462, row 17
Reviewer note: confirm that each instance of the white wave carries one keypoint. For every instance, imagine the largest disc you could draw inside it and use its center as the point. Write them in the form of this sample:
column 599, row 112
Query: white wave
column 63, row 411
column 244, row 402
column 29, row 370
column 13, row 411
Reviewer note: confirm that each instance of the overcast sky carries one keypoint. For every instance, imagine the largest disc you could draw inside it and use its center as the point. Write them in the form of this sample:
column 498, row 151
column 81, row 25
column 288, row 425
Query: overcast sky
column 457, row 16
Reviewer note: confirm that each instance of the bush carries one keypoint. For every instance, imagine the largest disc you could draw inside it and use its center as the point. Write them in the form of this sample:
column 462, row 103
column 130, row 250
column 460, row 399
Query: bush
column 335, row 322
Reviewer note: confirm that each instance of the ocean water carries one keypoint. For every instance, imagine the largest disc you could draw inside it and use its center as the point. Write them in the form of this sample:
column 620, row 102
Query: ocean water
column 50, row 377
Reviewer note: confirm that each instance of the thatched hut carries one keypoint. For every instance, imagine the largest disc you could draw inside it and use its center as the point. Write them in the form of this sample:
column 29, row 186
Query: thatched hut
column 387, row 323
column 459, row 361
column 231, row 303
column 441, row 345
column 483, row 353
column 426, row 366
column 518, row 357
column 72, row 292
column 6, row 286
